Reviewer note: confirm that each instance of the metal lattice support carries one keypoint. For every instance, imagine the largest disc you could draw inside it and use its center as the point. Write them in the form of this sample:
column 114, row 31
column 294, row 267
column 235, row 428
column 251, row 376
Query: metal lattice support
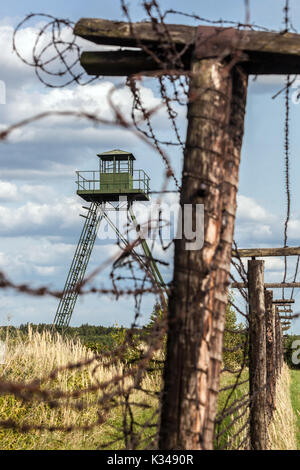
column 78, row 266
column 148, row 255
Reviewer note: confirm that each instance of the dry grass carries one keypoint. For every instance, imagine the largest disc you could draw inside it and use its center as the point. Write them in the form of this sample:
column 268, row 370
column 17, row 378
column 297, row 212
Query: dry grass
column 36, row 356
column 282, row 430
column 236, row 423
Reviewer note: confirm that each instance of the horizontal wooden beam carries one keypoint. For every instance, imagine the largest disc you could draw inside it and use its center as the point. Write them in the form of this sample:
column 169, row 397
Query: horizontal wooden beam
column 116, row 63
column 268, row 285
column 121, row 63
column 120, row 33
column 265, row 52
column 266, row 252
column 283, row 301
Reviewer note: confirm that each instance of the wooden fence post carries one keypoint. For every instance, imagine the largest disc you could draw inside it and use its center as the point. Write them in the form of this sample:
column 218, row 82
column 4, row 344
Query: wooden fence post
column 280, row 344
column 279, row 349
column 257, row 355
column 274, row 349
column 270, row 351
column 199, row 296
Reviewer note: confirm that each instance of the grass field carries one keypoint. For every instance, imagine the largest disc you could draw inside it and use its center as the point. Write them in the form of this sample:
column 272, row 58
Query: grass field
column 36, row 355
column 282, row 429
column 231, row 437
column 34, row 358
column 295, row 398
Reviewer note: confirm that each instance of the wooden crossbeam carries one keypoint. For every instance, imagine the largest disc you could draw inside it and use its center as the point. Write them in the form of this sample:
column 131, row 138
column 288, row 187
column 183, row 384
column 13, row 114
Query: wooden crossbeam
column 118, row 63
column 267, row 285
column 266, row 252
column 265, row 52
column 120, row 33
column 283, row 301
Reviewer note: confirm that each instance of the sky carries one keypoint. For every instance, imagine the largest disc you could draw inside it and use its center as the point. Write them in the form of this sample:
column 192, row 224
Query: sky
column 39, row 209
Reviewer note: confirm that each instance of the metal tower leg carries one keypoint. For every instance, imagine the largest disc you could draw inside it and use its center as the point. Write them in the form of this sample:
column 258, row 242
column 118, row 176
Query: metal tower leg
column 125, row 243
column 82, row 256
column 78, row 267
column 152, row 264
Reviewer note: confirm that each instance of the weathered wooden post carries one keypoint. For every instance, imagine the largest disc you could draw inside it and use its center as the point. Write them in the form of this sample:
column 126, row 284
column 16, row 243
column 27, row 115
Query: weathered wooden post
column 280, row 345
column 270, row 351
column 278, row 342
column 199, row 295
column 257, row 355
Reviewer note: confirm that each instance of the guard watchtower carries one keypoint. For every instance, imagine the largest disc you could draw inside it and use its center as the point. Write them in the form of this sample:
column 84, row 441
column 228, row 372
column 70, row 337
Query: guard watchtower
column 116, row 177
column 115, row 183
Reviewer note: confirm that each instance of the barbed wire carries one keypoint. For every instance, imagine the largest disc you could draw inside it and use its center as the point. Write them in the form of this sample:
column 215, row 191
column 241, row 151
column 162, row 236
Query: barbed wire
column 232, row 423
column 61, row 48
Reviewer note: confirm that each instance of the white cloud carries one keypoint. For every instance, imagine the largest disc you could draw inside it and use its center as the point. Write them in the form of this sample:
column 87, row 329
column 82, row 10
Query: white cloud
column 248, row 209
column 91, row 99
column 274, row 264
column 32, row 216
column 294, row 229
column 8, row 191
column 45, row 270
column 14, row 72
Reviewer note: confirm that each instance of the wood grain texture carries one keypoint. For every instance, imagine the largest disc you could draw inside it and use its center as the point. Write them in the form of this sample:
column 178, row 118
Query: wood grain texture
column 117, row 63
column 264, row 52
column 270, row 353
column 268, row 285
column 265, row 252
column 119, row 33
column 279, row 346
column 257, row 356
column 198, row 300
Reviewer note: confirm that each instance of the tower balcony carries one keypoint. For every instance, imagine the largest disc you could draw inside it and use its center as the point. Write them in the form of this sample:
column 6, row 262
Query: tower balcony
column 109, row 186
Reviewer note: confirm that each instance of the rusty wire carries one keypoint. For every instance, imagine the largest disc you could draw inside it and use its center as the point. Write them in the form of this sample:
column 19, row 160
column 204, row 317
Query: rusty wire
column 173, row 91
column 57, row 52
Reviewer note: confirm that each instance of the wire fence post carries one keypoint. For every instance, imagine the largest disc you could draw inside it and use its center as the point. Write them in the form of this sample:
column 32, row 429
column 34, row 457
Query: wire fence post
column 270, row 351
column 280, row 344
column 199, row 295
column 279, row 350
column 257, row 355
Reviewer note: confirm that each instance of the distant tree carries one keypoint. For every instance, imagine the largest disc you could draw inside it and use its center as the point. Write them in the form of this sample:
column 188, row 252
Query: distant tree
column 155, row 318
column 233, row 340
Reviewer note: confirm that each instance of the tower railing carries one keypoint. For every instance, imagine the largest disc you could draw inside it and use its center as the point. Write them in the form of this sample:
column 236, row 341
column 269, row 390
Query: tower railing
column 91, row 181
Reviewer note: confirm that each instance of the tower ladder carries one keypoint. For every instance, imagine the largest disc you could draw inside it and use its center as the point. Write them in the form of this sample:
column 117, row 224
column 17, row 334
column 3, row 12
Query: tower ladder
column 78, row 266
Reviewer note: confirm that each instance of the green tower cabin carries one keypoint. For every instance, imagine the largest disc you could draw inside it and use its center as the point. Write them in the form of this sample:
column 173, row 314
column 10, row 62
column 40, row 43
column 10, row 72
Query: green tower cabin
column 116, row 177
column 115, row 183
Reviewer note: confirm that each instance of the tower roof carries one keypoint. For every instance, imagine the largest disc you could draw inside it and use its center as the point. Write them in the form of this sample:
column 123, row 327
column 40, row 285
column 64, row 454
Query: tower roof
column 120, row 154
